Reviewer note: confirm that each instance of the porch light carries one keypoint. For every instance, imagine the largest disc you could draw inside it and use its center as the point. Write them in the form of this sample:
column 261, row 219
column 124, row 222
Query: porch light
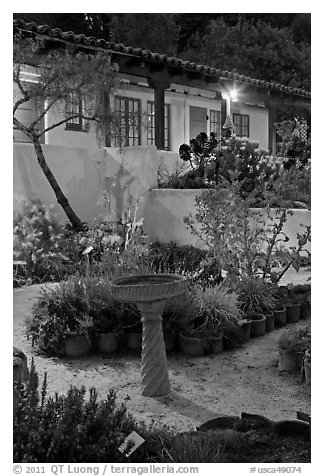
column 233, row 95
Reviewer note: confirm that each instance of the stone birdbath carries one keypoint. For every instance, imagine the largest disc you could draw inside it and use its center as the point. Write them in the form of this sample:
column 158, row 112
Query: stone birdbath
column 150, row 293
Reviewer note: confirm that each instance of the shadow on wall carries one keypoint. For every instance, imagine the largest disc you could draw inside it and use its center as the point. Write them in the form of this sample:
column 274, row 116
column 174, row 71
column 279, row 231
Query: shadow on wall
column 97, row 182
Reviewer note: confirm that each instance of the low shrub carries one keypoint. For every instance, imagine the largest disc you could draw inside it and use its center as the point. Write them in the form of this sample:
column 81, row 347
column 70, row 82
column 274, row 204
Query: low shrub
column 39, row 240
column 216, row 307
column 296, row 340
column 173, row 258
column 69, row 428
column 72, row 308
column 256, row 295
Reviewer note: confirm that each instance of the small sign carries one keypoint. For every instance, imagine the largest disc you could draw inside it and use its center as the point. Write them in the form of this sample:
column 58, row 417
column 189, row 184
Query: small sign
column 135, row 439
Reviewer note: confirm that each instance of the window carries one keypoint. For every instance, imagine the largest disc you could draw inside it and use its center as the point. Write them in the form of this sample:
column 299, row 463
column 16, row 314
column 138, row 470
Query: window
column 127, row 125
column 242, row 125
column 215, row 123
column 151, row 124
column 73, row 106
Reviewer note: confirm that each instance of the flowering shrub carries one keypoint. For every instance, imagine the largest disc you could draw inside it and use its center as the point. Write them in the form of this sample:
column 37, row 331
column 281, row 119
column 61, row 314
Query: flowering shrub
column 275, row 180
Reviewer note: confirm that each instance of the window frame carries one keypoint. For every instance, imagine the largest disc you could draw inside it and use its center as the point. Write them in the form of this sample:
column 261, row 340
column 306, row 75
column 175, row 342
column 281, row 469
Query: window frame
column 219, row 122
column 239, row 125
column 78, row 125
column 116, row 135
column 167, row 124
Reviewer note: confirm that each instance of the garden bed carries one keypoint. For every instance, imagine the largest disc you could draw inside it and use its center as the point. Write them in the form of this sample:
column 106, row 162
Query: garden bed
column 246, row 379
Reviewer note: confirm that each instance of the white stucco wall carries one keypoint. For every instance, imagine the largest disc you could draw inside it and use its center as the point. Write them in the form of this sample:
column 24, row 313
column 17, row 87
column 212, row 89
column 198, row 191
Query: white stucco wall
column 165, row 210
column 180, row 99
column 83, row 174
column 258, row 122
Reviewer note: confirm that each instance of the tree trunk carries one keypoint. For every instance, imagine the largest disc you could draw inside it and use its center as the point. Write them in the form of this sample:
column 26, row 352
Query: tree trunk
column 61, row 198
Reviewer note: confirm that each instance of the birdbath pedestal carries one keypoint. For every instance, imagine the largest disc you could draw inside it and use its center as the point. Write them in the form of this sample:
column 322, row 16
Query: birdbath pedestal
column 150, row 293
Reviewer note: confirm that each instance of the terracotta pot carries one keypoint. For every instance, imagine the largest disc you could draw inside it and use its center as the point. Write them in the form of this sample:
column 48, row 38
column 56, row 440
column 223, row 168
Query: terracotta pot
column 292, row 313
column 290, row 361
column 108, row 342
column 192, row 346
column 305, row 310
column 280, row 318
column 134, row 340
column 269, row 322
column 246, row 328
column 76, row 346
column 258, row 324
column 307, row 368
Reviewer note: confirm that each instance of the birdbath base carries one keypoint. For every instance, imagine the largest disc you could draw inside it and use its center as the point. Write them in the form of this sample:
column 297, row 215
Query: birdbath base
column 150, row 293
column 154, row 368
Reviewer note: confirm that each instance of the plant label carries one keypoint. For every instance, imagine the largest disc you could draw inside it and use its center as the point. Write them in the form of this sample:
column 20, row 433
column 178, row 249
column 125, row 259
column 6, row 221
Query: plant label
column 133, row 438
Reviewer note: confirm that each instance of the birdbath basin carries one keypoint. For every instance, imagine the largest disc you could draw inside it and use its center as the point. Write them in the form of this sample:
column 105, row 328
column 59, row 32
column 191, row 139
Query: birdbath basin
column 150, row 293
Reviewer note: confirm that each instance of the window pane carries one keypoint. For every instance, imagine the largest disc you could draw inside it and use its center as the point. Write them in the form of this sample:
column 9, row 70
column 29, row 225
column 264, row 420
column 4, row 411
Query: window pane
column 215, row 123
column 151, row 124
column 127, row 127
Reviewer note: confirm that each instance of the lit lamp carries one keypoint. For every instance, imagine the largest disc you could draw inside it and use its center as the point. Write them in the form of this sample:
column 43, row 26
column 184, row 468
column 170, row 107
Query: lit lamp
column 228, row 124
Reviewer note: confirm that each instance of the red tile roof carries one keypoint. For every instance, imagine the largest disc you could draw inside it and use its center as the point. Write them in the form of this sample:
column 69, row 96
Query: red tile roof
column 81, row 39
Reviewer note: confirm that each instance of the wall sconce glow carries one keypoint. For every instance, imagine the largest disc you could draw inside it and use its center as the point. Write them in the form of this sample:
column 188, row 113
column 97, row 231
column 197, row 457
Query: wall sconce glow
column 233, row 95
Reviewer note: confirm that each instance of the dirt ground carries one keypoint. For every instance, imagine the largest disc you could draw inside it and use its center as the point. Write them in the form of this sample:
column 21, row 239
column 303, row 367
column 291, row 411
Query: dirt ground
column 228, row 383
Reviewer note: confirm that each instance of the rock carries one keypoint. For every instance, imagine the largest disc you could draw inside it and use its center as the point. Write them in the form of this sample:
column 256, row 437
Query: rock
column 20, row 369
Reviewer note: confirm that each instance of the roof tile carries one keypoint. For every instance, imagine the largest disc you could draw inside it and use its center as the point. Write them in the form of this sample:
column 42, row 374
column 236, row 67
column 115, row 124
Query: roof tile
column 20, row 24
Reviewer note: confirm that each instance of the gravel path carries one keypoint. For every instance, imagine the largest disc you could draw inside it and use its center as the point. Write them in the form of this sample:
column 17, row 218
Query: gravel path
column 227, row 383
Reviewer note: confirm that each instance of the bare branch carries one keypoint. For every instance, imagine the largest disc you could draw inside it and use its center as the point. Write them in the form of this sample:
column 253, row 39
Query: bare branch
column 67, row 119
column 20, row 126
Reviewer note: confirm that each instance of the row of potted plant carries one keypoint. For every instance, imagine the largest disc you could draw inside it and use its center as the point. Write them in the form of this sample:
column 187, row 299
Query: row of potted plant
column 80, row 315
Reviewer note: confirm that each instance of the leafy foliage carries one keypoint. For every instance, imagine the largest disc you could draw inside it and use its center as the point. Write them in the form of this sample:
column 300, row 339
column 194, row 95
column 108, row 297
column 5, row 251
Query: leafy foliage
column 296, row 340
column 243, row 240
column 256, row 296
column 69, row 428
column 258, row 50
column 39, row 240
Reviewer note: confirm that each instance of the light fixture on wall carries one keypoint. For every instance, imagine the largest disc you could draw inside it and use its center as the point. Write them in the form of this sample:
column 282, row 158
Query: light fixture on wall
column 233, row 95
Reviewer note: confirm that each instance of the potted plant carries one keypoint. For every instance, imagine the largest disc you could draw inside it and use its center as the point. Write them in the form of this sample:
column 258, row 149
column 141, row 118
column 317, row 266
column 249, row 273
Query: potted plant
column 301, row 294
column 175, row 319
column 132, row 326
column 292, row 345
column 107, row 326
column 245, row 325
column 279, row 311
column 257, row 300
column 60, row 323
column 292, row 310
column 213, row 308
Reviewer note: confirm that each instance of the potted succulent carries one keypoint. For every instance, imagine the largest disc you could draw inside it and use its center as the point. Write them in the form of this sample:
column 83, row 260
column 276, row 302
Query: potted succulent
column 292, row 345
column 257, row 300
